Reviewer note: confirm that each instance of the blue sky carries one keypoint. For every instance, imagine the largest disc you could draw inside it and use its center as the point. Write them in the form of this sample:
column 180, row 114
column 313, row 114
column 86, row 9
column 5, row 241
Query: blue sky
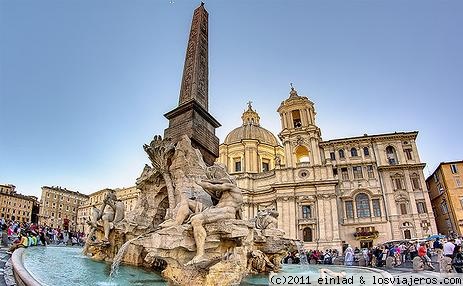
column 85, row 83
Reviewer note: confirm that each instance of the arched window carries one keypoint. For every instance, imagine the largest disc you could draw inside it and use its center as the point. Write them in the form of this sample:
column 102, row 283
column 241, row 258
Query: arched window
column 297, row 123
column 366, row 151
column 302, row 154
column 341, row 154
column 353, row 152
column 362, row 202
column 407, row 234
column 307, row 234
column 391, row 155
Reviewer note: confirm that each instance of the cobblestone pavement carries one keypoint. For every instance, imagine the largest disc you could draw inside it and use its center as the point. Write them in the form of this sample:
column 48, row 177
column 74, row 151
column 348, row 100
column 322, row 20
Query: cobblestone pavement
column 6, row 273
column 401, row 272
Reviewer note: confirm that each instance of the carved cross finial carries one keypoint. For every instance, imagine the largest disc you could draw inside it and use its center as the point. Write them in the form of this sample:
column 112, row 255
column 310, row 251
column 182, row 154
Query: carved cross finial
column 249, row 104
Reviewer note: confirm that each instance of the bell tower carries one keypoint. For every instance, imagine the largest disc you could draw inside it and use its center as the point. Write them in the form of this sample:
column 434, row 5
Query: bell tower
column 300, row 135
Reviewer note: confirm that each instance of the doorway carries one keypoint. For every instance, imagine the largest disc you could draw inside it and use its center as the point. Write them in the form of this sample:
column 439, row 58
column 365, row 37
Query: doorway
column 366, row 243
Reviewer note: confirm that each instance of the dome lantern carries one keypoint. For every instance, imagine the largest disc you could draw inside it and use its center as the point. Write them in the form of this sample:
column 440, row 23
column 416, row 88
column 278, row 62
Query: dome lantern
column 250, row 116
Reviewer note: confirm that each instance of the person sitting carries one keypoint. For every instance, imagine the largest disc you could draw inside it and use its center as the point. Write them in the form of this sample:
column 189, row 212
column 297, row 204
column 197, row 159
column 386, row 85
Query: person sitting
column 327, row 259
column 20, row 242
column 457, row 262
column 422, row 252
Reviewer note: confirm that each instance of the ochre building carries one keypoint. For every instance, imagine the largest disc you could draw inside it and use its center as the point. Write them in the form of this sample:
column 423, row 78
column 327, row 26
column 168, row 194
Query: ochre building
column 58, row 207
column 15, row 206
column 446, row 191
column 360, row 191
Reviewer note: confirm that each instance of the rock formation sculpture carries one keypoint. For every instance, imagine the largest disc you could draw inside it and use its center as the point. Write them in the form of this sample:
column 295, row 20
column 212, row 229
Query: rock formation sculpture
column 258, row 262
column 198, row 239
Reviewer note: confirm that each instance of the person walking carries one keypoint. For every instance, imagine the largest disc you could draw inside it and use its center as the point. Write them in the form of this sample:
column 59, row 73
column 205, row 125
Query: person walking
column 349, row 256
column 449, row 247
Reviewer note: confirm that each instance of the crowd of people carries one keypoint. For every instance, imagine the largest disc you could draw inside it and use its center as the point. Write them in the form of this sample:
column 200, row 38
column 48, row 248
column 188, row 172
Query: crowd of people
column 15, row 234
column 311, row 256
column 401, row 252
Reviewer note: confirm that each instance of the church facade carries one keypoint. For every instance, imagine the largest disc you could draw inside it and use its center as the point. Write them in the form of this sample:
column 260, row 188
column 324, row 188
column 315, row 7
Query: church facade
column 360, row 191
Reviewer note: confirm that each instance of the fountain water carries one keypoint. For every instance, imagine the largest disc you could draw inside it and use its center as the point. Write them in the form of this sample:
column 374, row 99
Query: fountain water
column 120, row 254
column 302, row 253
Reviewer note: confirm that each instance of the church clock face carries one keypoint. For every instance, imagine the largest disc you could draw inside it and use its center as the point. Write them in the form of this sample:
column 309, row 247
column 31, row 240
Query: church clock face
column 303, row 174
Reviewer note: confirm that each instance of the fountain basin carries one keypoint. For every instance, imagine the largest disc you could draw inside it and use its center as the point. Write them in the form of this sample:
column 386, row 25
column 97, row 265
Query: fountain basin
column 369, row 275
column 63, row 265
column 67, row 265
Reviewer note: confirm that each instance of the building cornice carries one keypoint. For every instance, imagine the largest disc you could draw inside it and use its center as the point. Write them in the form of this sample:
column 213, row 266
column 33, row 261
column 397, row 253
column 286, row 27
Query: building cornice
column 20, row 196
column 65, row 191
column 371, row 138
column 403, row 166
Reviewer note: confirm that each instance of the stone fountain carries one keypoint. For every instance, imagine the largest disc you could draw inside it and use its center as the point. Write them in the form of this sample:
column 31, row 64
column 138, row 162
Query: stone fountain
column 200, row 239
column 187, row 223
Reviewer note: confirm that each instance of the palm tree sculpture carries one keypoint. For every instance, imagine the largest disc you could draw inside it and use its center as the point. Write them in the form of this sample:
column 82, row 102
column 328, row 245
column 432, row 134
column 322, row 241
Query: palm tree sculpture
column 160, row 153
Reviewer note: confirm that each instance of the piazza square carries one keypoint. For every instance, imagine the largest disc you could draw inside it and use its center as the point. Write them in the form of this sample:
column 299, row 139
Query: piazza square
column 304, row 143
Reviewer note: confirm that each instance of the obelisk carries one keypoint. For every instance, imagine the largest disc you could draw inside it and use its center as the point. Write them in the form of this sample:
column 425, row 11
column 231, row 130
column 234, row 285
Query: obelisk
column 192, row 117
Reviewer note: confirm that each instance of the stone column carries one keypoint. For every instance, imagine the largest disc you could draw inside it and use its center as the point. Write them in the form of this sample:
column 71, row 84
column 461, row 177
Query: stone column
column 321, row 219
column 334, row 218
column 292, row 205
column 315, row 152
column 280, row 216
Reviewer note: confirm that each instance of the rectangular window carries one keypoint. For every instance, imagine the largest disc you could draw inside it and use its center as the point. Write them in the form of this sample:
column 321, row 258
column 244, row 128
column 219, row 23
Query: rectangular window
column 335, row 172
column 357, row 172
column 453, row 168
column 441, row 189
column 238, row 165
column 444, row 207
column 371, row 173
column 448, row 223
column 398, row 183
column 421, row 206
column 344, row 174
column 457, row 182
column 416, row 183
column 349, row 209
column 376, row 207
column 332, row 156
column 408, row 154
column 306, row 212
column 265, row 165
column 403, row 209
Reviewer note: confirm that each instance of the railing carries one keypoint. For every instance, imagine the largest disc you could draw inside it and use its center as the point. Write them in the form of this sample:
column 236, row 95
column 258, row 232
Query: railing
column 366, row 234
column 310, row 220
column 364, row 220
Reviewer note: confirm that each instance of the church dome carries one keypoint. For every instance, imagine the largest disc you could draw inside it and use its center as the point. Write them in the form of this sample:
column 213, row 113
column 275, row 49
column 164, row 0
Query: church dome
column 251, row 130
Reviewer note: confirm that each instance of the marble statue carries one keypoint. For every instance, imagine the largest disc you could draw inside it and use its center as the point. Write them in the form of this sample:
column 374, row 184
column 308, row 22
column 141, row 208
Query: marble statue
column 325, row 272
column 199, row 236
column 266, row 219
column 229, row 207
